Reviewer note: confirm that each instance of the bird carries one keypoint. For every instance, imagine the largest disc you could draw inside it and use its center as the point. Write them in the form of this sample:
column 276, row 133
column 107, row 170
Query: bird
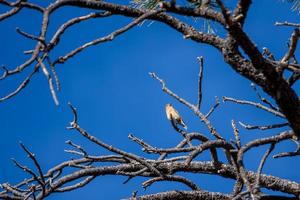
column 174, row 116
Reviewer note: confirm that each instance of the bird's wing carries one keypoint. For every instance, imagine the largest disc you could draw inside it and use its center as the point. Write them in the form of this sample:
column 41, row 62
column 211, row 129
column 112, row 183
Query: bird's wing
column 178, row 118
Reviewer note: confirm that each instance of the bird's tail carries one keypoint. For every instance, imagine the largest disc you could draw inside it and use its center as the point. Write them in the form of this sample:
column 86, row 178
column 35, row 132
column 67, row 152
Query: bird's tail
column 183, row 124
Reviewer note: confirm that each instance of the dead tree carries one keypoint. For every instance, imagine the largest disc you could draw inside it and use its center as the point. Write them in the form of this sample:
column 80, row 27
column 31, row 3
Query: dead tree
column 237, row 49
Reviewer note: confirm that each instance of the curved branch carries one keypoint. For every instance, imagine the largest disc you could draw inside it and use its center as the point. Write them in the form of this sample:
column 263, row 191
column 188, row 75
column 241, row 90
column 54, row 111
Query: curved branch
column 185, row 195
column 127, row 11
column 201, row 195
column 109, row 37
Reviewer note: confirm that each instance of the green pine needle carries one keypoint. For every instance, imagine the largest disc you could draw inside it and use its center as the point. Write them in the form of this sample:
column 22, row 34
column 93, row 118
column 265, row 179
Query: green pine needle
column 146, row 4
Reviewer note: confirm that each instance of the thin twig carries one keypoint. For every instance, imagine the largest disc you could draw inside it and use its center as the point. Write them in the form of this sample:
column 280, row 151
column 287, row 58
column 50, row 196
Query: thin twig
column 263, row 127
column 10, row 13
column 36, row 163
column 26, row 169
column 77, row 185
column 287, row 24
column 12, row 189
column 69, row 142
column 21, row 86
column 54, row 73
column 259, row 170
column 212, row 109
column 56, row 37
column 236, row 134
column 50, row 81
column 109, row 37
column 264, row 100
column 30, row 36
column 200, row 76
column 75, row 126
column 292, row 46
column 207, row 145
column 194, row 108
column 289, row 154
column 258, row 105
column 176, row 178
column 255, row 143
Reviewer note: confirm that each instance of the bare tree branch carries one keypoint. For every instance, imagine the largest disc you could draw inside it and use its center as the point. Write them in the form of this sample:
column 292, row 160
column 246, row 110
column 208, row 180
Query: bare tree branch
column 200, row 59
column 203, row 118
column 238, row 50
column 292, row 46
column 258, row 105
column 262, row 162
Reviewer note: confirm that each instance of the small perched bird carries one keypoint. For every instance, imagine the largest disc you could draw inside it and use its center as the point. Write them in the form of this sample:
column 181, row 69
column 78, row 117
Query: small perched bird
column 174, row 116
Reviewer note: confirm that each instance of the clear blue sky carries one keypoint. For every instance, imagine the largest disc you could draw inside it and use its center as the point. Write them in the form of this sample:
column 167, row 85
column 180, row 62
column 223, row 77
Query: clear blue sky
column 110, row 86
